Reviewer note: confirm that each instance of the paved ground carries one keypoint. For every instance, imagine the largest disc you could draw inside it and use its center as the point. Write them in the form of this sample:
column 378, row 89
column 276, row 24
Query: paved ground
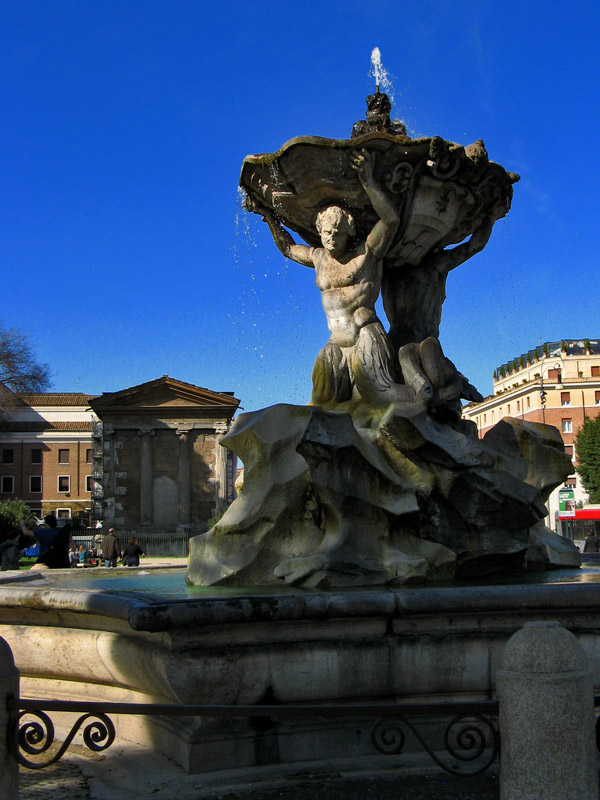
column 128, row 774
column 63, row 781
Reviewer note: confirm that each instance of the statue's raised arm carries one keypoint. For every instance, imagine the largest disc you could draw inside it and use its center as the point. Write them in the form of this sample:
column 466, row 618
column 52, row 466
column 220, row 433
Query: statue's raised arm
column 446, row 260
column 297, row 252
column 380, row 239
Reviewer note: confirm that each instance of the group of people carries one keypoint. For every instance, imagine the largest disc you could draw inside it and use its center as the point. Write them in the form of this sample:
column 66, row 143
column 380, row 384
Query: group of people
column 57, row 550
column 111, row 551
column 82, row 555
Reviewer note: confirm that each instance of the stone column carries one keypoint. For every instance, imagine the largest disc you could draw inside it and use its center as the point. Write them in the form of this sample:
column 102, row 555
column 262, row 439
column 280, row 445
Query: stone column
column 109, row 468
column 183, row 479
column 9, row 687
column 546, row 722
column 146, row 475
column 220, row 468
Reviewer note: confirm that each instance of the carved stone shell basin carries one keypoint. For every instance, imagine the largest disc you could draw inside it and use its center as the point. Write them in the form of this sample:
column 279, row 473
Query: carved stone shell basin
column 443, row 190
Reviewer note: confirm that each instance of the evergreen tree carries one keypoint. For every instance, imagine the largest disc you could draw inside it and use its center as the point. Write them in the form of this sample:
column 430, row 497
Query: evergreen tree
column 587, row 446
column 11, row 511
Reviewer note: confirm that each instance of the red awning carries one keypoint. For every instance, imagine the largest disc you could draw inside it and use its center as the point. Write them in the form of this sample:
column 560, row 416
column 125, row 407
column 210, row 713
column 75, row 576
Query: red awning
column 582, row 513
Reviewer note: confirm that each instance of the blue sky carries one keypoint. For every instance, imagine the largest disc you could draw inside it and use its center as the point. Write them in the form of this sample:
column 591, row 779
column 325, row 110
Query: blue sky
column 125, row 252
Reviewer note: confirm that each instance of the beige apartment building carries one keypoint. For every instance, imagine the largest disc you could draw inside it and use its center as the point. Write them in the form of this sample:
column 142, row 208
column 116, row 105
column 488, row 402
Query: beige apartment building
column 557, row 383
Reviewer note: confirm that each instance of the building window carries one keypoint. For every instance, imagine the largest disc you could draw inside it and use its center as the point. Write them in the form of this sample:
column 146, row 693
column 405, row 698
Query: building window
column 64, row 483
column 567, row 426
column 88, row 455
column 8, row 456
column 569, row 450
column 36, row 456
column 565, row 398
column 63, row 456
column 36, row 512
column 8, row 484
column 508, row 409
column 484, row 419
column 63, row 513
column 89, row 483
column 571, row 482
column 595, row 372
column 493, row 414
column 518, row 406
column 35, row 484
column 597, row 398
column 528, row 403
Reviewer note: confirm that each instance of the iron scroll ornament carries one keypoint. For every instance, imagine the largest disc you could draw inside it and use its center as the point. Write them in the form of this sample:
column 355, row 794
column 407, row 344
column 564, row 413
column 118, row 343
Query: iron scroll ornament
column 477, row 734
column 36, row 737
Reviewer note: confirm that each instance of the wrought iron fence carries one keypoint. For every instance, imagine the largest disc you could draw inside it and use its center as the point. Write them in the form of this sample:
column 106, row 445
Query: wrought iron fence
column 470, row 737
column 166, row 544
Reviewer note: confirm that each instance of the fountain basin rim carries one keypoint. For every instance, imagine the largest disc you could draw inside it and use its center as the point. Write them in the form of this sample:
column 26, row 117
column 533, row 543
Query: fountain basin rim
column 146, row 614
column 421, row 145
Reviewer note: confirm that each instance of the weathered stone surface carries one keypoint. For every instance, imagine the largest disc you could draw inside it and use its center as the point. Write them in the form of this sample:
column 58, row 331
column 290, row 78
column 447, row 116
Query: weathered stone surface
column 535, row 449
column 273, row 518
column 310, row 172
column 294, row 646
column 9, row 681
column 546, row 550
column 546, row 703
column 327, row 503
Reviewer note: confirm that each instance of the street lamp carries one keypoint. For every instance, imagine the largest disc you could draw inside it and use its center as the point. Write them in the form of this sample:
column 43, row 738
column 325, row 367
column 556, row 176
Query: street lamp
column 543, row 393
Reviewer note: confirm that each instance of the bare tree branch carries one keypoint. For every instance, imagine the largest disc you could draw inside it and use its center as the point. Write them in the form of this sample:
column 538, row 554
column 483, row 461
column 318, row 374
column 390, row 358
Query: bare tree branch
column 19, row 369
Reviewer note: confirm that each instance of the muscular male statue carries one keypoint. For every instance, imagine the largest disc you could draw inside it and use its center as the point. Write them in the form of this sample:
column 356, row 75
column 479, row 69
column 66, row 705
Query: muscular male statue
column 357, row 361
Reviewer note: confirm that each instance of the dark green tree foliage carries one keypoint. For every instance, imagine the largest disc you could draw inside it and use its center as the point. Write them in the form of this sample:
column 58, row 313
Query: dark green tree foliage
column 587, row 446
column 11, row 511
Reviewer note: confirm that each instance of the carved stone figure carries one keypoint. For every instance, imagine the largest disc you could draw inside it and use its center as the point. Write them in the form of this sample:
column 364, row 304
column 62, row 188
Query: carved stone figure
column 357, row 360
column 378, row 118
column 379, row 480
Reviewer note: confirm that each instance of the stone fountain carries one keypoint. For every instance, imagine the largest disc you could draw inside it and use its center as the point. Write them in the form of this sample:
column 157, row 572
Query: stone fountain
column 379, row 481
column 376, row 483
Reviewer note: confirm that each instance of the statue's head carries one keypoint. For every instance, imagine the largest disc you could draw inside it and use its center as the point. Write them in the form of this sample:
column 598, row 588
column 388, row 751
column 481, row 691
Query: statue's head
column 378, row 110
column 336, row 227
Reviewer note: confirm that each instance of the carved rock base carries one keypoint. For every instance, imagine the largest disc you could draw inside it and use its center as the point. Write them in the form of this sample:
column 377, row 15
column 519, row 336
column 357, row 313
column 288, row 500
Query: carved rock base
column 325, row 503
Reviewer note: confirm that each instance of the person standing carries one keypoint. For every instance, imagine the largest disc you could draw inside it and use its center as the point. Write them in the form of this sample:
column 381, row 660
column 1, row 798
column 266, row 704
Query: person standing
column 132, row 553
column 111, row 551
column 10, row 553
column 592, row 543
column 54, row 543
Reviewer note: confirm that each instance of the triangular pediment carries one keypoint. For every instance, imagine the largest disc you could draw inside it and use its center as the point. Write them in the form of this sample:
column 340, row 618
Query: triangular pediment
column 163, row 394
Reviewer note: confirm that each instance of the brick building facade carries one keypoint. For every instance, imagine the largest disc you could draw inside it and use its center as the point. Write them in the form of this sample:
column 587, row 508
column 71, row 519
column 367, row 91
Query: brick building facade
column 147, row 457
column 557, row 383
column 46, row 453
